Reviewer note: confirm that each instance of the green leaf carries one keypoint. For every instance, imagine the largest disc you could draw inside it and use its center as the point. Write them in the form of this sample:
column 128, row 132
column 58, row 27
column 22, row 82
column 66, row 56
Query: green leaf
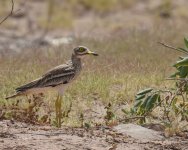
column 143, row 92
column 183, row 71
column 183, row 62
column 139, row 97
column 186, row 42
column 151, row 102
column 137, row 104
column 143, row 106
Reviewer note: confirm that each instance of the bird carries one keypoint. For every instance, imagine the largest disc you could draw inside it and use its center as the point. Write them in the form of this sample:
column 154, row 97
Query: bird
column 58, row 78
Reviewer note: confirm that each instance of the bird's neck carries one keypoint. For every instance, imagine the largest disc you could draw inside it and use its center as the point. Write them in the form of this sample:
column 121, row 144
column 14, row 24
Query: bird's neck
column 76, row 61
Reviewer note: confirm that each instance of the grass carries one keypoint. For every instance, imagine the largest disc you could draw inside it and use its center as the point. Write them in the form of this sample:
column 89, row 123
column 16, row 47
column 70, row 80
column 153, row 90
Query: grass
column 126, row 64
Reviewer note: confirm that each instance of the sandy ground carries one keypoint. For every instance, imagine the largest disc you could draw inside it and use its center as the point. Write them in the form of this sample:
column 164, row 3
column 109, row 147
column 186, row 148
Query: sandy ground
column 21, row 136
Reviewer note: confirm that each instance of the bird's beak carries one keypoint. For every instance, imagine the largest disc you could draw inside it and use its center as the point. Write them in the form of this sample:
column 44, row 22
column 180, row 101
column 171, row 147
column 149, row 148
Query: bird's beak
column 92, row 53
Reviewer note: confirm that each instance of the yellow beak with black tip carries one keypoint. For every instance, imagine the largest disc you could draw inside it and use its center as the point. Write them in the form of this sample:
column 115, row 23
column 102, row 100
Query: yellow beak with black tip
column 92, row 53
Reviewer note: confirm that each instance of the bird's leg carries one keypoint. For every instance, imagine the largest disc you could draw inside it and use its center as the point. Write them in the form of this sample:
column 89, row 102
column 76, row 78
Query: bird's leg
column 58, row 110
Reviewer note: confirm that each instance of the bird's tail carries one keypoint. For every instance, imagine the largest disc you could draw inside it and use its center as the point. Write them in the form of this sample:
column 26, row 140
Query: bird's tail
column 23, row 89
column 27, row 86
column 14, row 95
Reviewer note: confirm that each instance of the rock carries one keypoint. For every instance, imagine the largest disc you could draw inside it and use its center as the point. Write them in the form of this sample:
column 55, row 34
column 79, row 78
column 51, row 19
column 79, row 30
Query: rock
column 139, row 132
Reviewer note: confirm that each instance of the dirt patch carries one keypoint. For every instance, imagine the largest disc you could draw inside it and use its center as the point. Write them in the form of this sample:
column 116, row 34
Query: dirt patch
column 21, row 136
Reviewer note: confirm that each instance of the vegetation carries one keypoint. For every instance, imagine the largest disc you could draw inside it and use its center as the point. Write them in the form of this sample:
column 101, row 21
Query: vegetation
column 171, row 103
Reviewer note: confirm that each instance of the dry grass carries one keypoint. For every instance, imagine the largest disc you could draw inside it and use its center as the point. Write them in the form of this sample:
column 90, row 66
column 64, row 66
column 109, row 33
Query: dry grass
column 127, row 63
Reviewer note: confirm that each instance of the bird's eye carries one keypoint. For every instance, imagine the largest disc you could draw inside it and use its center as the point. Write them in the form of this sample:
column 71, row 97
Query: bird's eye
column 81, row 49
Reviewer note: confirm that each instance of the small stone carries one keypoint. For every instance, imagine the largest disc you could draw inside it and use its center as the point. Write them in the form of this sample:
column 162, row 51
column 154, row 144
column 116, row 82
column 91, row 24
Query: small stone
column 138, row 132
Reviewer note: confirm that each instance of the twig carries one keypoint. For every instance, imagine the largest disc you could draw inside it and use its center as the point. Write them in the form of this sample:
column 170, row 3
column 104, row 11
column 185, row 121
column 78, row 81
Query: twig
column 180, row 79
column 10, row 14
column 171, row 47
column 132, row 118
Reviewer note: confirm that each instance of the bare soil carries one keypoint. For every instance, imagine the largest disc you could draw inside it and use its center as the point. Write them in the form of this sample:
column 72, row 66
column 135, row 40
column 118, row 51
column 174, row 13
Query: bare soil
column 21, row 136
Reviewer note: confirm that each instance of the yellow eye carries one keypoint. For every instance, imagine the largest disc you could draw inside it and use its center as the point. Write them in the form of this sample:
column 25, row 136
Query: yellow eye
column 81, row 49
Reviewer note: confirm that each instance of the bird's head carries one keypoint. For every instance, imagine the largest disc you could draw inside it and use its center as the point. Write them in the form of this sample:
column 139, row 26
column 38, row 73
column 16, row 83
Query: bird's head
column 81, row 51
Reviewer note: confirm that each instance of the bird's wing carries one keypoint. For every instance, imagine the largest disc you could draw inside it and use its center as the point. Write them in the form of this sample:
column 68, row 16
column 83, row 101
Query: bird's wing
column 59, row 75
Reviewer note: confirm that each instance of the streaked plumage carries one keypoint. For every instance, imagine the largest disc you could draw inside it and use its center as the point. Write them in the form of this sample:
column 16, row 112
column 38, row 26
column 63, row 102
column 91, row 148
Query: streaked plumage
column 57, row 78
